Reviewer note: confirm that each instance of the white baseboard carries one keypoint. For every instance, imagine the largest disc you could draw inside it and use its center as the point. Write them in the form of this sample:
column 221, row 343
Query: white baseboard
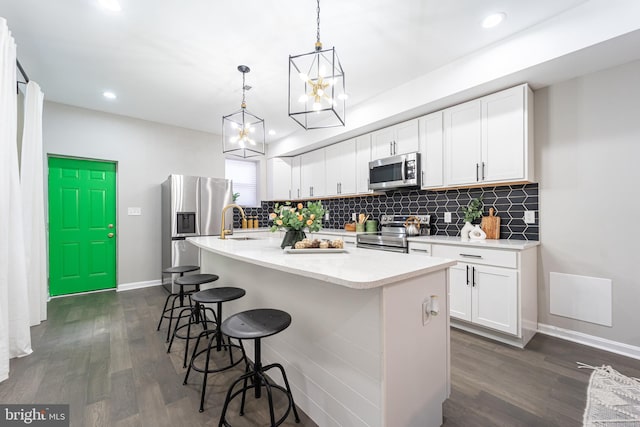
column 138, row 285
column 591, row 341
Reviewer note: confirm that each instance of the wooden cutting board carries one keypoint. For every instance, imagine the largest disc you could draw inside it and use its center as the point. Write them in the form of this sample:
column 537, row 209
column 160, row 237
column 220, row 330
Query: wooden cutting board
column 491, row 225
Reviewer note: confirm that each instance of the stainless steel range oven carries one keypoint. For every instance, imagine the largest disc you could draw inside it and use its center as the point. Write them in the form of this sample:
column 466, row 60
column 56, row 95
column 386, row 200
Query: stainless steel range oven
column 393, row 234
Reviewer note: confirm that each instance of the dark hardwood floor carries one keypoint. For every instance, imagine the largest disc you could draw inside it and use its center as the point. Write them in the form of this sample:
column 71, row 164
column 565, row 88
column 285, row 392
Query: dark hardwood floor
column 101, row 354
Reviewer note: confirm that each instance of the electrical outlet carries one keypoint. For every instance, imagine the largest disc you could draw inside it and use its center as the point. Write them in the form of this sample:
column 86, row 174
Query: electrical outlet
column 447, row 217
column 425, row 312
column 326, row 216
column 529, row 217
column 354, row 216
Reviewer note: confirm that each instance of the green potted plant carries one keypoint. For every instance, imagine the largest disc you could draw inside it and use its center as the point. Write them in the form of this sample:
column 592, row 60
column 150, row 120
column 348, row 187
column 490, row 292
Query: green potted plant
column 470, row 213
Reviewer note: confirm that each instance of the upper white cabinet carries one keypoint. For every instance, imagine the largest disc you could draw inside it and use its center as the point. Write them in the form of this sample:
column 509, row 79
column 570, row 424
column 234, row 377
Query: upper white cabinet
column 432, row 150
column 312, row 174
column 489, row 140
column 279, row 178
column 363, row 157
column 295, row 177
column 340, row 161
column 463, row 140
column 394, row 140
column 505, row 135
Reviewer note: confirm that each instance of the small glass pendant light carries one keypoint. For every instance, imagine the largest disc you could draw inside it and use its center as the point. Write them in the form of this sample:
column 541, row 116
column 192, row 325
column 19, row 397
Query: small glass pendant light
column 243, row 133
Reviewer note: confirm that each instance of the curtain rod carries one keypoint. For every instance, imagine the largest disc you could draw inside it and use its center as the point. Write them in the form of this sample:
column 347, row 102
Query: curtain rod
column 24, row 74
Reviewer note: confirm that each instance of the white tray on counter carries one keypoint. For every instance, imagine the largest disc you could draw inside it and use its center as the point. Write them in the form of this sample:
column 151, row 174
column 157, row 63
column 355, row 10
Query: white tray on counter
column 315, row 251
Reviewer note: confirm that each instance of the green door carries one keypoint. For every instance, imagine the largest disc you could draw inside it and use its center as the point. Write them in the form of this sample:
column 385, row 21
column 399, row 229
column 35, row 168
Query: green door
column 82, row 225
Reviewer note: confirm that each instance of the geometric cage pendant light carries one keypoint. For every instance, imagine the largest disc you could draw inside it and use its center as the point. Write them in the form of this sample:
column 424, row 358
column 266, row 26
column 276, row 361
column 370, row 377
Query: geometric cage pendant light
column 317, row 97
column 243, row 133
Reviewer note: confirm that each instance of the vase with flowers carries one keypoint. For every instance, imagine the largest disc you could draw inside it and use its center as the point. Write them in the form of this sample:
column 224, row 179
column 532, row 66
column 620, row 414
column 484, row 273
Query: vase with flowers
column 472, row 212
column 295, row 219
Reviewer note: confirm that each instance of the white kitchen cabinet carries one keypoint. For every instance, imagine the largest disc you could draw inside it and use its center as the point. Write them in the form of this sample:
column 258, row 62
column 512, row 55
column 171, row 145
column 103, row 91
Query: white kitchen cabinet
column 432, row 150
column 489, row 140
column 312, row 174
column 486, row 296
column 463, row 141
column 279, row 178
column 295, row 177
column 493, row 292
column 363, row 157
column 505, row 136
column 340, row 161
column 394, row 140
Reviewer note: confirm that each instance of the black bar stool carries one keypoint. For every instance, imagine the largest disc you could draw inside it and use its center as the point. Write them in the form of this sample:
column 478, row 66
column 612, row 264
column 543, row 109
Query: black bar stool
column 216, row 339
column 168, row 313
column 255, row 325
column 190, row 310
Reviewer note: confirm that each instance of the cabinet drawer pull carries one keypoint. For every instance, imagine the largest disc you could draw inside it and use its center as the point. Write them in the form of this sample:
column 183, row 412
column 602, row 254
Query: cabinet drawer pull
column 420, row 250
column 349, row 243
column 471, row 256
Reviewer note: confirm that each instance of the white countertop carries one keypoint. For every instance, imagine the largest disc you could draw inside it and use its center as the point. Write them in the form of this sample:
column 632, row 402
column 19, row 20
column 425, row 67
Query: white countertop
column 442, row 240
column 487, row 243
column 356, row 268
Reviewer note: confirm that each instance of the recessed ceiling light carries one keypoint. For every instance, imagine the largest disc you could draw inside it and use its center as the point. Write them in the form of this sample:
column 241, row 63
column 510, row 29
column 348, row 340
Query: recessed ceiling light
column 109, row 95
column 111, row 5
column 493, row 20
column 272, row 132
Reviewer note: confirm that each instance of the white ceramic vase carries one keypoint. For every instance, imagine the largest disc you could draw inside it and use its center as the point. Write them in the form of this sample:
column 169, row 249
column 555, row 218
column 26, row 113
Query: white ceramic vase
column 464, row 233
column 477, row 233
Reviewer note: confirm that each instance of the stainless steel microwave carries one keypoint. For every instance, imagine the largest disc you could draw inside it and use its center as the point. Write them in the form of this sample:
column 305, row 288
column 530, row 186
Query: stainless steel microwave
column 395, row 172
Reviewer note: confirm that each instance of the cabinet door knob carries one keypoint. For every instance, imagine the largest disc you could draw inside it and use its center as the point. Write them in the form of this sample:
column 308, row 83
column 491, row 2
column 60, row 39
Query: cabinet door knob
column 110, row 235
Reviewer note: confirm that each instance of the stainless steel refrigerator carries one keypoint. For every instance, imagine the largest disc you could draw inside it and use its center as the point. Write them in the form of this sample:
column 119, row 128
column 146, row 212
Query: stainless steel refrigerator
column 191, row 206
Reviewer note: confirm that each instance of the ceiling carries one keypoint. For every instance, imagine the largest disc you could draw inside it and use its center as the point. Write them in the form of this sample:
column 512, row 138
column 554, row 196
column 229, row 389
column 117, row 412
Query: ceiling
column 175, row 62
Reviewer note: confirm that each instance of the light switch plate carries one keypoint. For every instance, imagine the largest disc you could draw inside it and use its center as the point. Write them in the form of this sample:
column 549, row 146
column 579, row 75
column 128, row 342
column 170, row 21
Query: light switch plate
column 134, row 211
column 447, row 217
column 529, row 217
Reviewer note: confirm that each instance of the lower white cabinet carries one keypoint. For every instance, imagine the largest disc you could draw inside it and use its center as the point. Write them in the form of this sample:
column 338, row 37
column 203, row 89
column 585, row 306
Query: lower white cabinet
column 486, row 296
column 493, row 292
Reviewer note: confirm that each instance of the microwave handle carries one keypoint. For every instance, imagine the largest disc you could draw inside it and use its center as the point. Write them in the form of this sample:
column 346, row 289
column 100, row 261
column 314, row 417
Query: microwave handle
column 403, row 170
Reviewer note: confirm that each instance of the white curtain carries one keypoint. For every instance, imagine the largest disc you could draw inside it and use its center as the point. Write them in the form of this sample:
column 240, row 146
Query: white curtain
column 31, row 181
column 15, row 338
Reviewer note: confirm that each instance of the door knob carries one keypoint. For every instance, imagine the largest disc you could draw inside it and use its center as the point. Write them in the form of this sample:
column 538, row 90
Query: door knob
column 110, row 225
column 110, row 235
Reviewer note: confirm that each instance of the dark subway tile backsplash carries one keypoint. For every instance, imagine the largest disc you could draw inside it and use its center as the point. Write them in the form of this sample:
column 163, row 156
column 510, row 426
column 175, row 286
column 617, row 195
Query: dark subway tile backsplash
column 510, row 202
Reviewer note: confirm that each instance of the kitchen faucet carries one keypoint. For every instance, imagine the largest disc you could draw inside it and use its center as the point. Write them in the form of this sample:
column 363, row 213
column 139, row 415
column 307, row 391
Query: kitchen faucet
column 224, row 232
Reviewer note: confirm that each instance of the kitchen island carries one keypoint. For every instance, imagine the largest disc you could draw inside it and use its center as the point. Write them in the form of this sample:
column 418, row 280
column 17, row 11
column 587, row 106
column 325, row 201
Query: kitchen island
column 360, row 350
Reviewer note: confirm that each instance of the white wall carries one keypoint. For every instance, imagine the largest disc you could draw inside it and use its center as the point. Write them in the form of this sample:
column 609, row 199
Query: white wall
column 146, row 153
column 587, row 134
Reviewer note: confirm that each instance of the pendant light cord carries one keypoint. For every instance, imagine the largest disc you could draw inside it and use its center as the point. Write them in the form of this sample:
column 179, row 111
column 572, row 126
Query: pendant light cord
column 244, row 104
column 318, row 43
column 318, row 22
